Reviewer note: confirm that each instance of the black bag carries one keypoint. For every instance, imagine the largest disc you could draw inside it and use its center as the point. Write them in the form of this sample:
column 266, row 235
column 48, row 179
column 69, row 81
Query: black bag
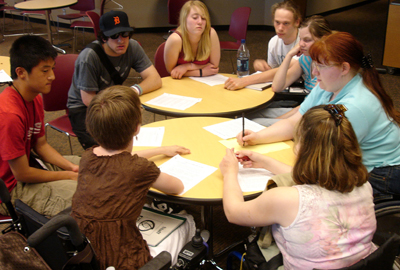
column 254, row 259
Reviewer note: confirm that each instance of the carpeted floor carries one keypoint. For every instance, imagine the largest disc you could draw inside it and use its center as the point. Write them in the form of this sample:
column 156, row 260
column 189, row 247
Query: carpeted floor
column 367, row 22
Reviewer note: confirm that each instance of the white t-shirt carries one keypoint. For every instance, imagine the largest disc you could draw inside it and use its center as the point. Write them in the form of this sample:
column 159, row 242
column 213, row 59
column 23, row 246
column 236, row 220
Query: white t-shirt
column 277, row 50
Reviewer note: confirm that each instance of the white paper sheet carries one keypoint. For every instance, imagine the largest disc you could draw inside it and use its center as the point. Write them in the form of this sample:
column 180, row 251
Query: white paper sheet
column 211, row 80
column 230, row 129
column 4, row 77
column 149, row 136
column 174, row 101
column 188, row 171
column 253, row 179
column 259, row 86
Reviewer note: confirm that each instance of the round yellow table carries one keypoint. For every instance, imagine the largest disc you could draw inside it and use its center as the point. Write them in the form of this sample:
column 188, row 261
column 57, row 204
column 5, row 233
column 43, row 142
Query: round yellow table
column 216, row 100
column 205, row 148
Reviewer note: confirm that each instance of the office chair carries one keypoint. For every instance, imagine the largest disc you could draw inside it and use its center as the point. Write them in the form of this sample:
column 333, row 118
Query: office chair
column 159, row 63
column 237, row 30
column 57, row 98
column 174, row 8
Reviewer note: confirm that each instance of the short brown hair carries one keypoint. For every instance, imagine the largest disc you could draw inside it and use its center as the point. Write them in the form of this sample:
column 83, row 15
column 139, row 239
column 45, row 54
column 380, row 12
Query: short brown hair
column 113, row 116
column 288, row 5
column 317, row 25
column 329, row 155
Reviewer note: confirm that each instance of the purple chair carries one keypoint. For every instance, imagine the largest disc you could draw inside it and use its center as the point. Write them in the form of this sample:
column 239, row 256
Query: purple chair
column 159, row 63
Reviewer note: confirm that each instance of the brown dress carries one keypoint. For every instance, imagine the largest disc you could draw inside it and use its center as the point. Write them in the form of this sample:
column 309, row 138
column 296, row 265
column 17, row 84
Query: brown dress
column 110, row 195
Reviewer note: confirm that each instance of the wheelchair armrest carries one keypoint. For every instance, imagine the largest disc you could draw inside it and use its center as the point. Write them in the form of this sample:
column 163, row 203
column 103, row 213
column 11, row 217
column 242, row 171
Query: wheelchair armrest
column 161, row 262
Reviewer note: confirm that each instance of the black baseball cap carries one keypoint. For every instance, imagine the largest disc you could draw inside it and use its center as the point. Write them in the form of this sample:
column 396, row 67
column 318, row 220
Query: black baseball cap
column 114, row 22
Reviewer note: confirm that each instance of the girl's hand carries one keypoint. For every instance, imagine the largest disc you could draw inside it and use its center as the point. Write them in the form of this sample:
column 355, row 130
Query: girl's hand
column 229, row 163
column 209, row 70
column 250, row 159
column 178, row 71
column 234, row 84
column 295, row 51
column 248, row 139
column 174, row 150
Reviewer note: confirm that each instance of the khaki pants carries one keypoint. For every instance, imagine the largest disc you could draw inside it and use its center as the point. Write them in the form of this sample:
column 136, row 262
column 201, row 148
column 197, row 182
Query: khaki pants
column 47, row 198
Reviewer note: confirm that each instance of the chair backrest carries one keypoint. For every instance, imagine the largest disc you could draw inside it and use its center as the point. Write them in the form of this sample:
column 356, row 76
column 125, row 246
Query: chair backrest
column 63, row 71
column 159, row 63
column 84, row 5
column 174, row 8
column 239, row 22
column 94, row 18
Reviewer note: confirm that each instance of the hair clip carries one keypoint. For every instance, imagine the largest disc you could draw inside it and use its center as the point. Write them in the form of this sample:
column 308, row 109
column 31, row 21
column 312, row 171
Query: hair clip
column 366, row 61
column 337, row 112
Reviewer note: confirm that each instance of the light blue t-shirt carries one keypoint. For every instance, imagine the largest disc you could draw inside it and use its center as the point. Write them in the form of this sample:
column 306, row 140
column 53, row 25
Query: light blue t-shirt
column 379, row 138
column 305, row 64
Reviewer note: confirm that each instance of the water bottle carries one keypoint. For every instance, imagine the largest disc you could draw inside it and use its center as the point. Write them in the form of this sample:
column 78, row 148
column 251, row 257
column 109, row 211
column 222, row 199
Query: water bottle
column 243, row 57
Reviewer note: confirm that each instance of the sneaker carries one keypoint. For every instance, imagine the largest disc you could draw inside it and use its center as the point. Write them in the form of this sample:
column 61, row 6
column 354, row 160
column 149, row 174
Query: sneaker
column 166, row 207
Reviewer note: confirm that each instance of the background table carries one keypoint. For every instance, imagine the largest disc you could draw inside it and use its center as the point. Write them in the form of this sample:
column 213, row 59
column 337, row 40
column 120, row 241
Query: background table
column 205, row 148
column 216, row 101
column 5, row 64
column 45, row 5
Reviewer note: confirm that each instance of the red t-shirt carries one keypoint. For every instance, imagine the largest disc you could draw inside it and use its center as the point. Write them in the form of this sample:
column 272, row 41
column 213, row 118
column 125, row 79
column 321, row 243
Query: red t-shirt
column 21, row 124
column 181, row 57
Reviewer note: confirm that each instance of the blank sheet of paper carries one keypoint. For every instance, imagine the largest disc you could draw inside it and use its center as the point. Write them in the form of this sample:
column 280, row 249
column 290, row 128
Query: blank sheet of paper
column 211, row 80
column 230, row 129
column 4, row 77
column 259, row 148
column 253, row 179
column 173, row 101
column 188, row 171
column 149, row 136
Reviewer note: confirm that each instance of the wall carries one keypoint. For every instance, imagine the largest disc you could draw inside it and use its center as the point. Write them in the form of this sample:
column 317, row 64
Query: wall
column 154, row 13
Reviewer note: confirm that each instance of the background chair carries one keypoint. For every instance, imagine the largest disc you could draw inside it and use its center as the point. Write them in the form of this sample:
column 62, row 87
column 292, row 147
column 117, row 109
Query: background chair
column 82, row 6
column 174, row 8
column 95, row 19
column 159, row 63
column 237, row 30
column 57, row 98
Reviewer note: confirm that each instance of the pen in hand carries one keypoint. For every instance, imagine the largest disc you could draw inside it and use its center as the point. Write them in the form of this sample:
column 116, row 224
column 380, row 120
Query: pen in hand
column 243, row 127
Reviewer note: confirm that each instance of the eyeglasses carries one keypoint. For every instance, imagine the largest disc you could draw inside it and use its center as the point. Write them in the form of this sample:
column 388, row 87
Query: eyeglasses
column 122, row 34
column 337, row 112
column 319, row 67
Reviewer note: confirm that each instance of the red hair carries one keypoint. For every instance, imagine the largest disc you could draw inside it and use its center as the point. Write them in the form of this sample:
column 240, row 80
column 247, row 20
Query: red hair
column 341, row 47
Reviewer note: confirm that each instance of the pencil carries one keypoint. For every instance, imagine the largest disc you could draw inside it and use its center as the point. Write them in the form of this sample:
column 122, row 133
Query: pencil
column 243, row 127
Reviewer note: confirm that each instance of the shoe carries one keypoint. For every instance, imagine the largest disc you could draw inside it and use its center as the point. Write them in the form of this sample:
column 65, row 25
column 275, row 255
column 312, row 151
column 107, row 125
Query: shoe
column 166, row 207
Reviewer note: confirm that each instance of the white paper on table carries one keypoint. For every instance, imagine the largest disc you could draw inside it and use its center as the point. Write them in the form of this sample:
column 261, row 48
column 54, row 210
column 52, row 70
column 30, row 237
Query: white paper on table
column 230, row 129
column 211, row 80
column 174, row 101
column 149, row 136
column 253, row 179
column 188, row 171
column 259, row 86
column 4, row 77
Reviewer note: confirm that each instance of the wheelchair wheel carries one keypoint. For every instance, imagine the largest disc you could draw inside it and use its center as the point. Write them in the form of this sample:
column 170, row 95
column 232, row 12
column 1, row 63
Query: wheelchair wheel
column 387, row 219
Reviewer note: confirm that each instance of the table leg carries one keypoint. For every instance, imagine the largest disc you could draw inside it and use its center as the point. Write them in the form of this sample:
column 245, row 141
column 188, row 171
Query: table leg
column 207, row 217
column 49, row 35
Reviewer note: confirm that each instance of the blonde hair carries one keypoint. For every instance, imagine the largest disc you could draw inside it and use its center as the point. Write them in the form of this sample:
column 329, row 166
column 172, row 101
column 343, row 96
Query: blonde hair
column 288, row 5
column 317, row 25
column 204, row 46
column 329, row 154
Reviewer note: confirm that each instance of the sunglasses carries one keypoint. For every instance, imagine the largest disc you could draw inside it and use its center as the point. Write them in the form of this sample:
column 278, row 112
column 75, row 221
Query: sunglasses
column 122, row 34
column 337, row 112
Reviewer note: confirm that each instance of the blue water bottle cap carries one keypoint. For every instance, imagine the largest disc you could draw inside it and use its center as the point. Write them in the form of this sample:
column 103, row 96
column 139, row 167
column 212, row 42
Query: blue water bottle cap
column 243, row 41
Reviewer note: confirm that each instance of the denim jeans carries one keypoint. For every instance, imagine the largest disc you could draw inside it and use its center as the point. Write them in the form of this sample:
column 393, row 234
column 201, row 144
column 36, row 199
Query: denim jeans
column 385, row 182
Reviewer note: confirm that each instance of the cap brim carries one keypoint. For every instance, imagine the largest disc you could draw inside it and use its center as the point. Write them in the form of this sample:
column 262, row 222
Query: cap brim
column 117, row 30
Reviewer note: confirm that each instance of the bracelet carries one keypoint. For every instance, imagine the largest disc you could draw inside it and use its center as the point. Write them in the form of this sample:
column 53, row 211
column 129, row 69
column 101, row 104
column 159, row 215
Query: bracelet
column 138, row 89
column 201, row 72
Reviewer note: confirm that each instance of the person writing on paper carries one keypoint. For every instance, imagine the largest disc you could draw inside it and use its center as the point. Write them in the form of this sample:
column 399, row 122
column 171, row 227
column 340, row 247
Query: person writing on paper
column 327, row 219
column 311, row 30
column 113, row 183
column 193, row 49
column 347, row 76
column 286, row 18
